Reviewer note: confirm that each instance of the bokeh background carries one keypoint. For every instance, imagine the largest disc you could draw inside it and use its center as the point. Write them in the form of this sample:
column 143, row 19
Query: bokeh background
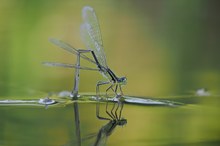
column 163, row 47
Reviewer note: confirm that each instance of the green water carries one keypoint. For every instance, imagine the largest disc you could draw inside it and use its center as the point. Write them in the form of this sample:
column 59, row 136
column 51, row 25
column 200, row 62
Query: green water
column 196, row 122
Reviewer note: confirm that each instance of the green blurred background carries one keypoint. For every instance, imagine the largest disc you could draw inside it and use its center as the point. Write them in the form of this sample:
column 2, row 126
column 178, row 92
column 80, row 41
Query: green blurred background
column 163, row 47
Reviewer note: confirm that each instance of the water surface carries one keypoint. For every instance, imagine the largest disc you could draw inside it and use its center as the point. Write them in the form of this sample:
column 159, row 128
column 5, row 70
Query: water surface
column 194, row 122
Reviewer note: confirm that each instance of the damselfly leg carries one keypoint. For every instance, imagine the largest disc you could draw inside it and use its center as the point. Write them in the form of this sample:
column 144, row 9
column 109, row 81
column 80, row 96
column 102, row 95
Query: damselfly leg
column 116, row 110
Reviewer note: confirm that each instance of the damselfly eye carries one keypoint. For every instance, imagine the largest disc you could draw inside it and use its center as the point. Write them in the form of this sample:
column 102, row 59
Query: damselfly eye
column 124, row 80
column 122, row 122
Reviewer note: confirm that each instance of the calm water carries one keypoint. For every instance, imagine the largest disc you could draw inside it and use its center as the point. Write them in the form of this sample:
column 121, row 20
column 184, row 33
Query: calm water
column 195, row 122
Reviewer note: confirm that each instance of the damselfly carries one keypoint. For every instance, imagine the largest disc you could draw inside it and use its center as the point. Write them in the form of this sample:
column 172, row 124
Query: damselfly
column 91, row 35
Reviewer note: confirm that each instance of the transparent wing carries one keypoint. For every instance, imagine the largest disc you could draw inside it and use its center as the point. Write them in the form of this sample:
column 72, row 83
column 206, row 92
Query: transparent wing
column 54, row 64
column 91, row 34
column 69, row 48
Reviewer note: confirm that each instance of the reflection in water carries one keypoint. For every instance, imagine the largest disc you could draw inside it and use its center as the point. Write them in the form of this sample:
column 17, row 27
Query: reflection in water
column 77, row 123
column 113, row 113
column 106, row 130
column 114, row 120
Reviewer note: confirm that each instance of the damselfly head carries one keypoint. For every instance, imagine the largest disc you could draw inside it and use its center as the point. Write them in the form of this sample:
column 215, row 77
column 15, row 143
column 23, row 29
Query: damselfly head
column 122, row 80
column 122, row 122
